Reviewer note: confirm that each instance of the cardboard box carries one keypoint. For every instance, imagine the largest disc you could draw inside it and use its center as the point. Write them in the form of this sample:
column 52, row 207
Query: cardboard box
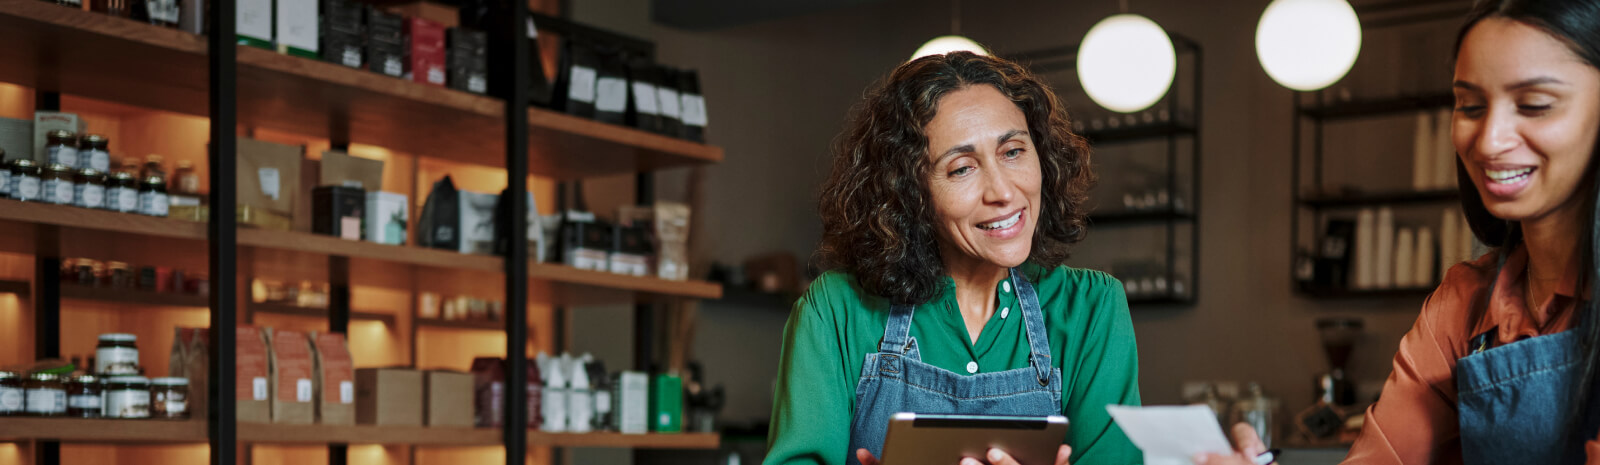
column 449, row 398
column 630, row 409
column 252, row 392
column 293, row 381
column 335, row 379
column 666, row 404
column 389, row 396
column 387, row 215
column 296, row 27
column 268, row 175
column 340, row 169
column 425, row 52
column 385, row 42
column 253, row 23
column 341, row 33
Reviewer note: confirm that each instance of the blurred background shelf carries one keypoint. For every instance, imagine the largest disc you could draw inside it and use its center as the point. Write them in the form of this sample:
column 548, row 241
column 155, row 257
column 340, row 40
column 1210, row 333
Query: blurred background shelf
column 388, row 319
column 1378, row 107
column 133, row 296
column 1362, row 199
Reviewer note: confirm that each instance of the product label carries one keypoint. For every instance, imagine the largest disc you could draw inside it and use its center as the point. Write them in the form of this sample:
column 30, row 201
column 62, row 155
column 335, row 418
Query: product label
column 302, row 390
column 253, row 18
column 258, row 388
column 297, row 24
column 116, row 361
column 89, row 195
column 5, row 183
column 392, row 66
column 436, row 75
column 163, row 10
column 25, row 188
column 122, row 199
column 269, row 180
column 347, row 392
column 612, row 95
column 10, row 400
column 351, row 57
column 47, row 401
column 581, row 85
column 153, row 203
column 644, row 98
column 58, row 192
column 128, row 403
column 63, row 155
column 477, row 84
column 694, row 110
column 670, row 102
column 100, row 160
column 602, row 401
column 174, row 403
column 84, row 402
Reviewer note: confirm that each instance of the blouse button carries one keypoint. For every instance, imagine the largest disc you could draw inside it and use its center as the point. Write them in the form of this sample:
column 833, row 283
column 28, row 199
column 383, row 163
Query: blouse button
column 1006, row 286
column 972, row 367
column 1004, row 312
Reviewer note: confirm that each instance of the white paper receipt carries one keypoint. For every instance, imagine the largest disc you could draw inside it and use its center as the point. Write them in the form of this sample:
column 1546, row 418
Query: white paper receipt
column 1170, row 435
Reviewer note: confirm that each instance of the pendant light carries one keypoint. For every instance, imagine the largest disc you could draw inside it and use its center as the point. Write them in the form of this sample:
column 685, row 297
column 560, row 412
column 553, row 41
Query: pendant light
column 950, row 43
column 1126, row 62
column 1307, row 45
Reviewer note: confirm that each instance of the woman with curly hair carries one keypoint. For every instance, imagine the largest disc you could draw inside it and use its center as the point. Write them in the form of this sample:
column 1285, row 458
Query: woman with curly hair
column 956, row 190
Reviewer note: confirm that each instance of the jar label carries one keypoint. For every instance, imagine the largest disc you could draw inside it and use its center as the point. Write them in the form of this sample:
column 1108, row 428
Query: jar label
column 47, row 401
column 172, row 402
column 258, row 388
column 128, row 403
column 26, row 188
column 90, row 195
column 153, row 203
column 302, row 390
column 64, row 155
column 100, row 160
column 122, row 199
column 347, row 392
column 84, row 401
column 5, row 183
column 116, row 361
column 10, row 400
column 58, row 192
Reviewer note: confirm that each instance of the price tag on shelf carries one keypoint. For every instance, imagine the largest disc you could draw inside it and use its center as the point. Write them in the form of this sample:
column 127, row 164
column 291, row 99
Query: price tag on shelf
column 347, row 392
column 258, row 388
column 302, row 390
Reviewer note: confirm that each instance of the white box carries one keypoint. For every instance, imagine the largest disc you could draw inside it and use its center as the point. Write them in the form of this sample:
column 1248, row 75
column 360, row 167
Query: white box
column 632, row 402
column 296, row 32
column 253, row 22
column 387, row 215
column 477, row 222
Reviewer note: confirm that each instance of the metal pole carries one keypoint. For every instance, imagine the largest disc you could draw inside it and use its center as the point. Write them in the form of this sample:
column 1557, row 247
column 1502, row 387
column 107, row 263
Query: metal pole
column 516, row 309
column 220, row 229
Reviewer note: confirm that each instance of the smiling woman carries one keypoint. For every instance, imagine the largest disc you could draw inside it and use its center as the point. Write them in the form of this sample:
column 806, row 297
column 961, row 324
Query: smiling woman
column 957, row 189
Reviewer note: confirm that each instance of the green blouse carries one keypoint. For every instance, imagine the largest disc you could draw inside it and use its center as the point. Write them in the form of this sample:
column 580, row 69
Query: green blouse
column 836, row 324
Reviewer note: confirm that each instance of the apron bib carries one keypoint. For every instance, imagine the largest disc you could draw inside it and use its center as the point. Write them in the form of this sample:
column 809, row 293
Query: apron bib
column 896, row 380
column 1514, row 401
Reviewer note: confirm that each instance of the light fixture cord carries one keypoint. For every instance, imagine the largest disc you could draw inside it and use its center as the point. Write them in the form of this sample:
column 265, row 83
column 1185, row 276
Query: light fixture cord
column 1124, row 4
column 955, row 17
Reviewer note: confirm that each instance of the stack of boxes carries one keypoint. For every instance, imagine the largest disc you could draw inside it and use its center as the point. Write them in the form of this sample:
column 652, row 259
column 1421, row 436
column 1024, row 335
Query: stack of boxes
column 342, row 35
column 468, row 60
column 425, row 54
column 386, row 46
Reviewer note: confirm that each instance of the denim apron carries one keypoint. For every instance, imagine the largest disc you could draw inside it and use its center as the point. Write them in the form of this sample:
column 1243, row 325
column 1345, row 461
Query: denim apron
column 1514, row 401
column 895, row 379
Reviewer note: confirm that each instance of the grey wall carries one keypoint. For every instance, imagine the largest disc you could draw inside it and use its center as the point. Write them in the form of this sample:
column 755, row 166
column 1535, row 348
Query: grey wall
column 778, row 92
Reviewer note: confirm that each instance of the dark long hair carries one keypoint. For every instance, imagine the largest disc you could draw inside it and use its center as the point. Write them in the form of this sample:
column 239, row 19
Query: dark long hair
column 877, row 220
column 1577, row 23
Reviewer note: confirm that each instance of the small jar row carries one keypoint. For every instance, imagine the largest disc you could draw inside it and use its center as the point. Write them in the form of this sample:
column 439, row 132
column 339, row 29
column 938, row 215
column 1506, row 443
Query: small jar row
column 46, row 394
column 26, row 181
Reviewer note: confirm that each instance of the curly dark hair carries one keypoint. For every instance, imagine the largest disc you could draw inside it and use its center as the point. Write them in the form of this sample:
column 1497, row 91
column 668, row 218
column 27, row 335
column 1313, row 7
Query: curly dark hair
column 877, row 220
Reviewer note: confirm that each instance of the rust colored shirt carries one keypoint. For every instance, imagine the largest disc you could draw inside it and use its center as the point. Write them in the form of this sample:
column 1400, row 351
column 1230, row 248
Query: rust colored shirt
column 1414, row 422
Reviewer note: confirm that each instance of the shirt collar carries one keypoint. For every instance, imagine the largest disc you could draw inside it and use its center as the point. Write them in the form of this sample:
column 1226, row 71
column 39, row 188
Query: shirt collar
column 1508, row 303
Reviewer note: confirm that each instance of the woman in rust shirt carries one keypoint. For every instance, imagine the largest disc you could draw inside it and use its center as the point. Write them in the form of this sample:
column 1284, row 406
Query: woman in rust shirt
column 1500, row 366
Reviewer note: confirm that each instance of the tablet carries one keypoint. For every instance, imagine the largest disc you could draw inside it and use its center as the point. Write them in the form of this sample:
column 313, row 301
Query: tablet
column 923, row 439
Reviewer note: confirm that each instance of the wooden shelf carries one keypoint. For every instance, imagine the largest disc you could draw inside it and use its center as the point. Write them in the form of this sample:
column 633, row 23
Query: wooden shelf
column 134, row 296
column 1417, row 293
column 1362, row 199
column 1379, row 107
column 633, row 441
column 1139, row 132
column 566, row 147
column 83, row 218
column 103, row 431
column 22, row 288
column 367, row 434
column 482, row 325
column 649, row 285
column 1131, row 217
column 329, row 245
column 387, row 319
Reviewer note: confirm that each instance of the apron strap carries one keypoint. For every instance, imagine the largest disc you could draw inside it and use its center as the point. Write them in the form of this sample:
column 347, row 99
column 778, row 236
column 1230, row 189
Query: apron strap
column 897, row 333
column 1033, row 320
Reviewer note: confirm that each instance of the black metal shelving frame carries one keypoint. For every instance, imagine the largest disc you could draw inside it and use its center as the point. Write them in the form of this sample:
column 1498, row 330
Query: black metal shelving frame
column 222, row 243
column 1173, row 132
column 1323, row 110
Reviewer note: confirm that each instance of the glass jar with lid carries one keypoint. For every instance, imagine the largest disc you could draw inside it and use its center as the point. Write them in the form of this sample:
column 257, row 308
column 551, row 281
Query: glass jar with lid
column 84, row 396
column 117, row 354
column 25, row 180
column 89, row 190
column 94, row 152
column 152, row 167
column 169, row 398
column 56, row 184
column 11, row 394
column 185, row 180
column 62, row 146
column 153, row 198
column 122, row 192
column 126, row 397
column 46, row 395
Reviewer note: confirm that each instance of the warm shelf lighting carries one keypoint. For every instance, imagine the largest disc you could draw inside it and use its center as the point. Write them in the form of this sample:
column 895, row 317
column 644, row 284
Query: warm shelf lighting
column 1126, row 63
column 1307, row 45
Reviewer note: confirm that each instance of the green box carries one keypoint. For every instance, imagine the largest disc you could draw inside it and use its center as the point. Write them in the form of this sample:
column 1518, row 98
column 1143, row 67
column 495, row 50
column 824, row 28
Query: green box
column 666, row 404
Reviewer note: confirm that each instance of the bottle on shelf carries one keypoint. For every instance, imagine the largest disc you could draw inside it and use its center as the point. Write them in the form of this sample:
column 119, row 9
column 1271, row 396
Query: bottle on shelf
column 185, row 181
column 152, row 167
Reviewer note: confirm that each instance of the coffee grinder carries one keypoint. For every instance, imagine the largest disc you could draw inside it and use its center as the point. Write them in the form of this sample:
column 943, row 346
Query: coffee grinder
column 1335, row 392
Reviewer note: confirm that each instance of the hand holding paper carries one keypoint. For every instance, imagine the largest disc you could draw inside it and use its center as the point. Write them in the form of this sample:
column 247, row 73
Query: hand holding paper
column 1170, row 435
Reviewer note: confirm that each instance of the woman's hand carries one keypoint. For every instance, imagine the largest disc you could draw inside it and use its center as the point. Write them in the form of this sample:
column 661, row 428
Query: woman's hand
column 1246, row 444
column 996, row 457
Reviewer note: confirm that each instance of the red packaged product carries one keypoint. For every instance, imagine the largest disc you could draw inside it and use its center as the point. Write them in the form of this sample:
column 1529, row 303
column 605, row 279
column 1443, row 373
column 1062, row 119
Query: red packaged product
column 425, row 51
